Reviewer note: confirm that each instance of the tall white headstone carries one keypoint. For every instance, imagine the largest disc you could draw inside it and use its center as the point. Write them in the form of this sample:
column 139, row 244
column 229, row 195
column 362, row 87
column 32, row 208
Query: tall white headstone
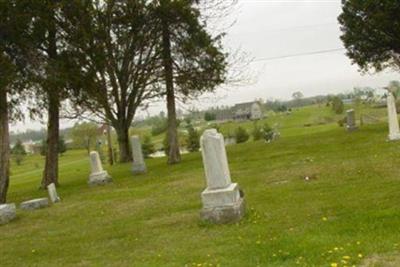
column 222, row 199
column 139, row 166
column 98, row 175
column 394, row 131
column 351, row 120
column 51, row 189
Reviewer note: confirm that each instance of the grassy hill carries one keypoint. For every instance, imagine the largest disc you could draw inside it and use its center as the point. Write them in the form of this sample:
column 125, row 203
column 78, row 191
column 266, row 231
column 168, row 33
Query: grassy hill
column 347, row 213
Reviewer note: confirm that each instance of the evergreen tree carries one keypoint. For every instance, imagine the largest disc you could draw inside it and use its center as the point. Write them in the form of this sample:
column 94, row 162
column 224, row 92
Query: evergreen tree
column 193, row 139
column 371, row 33
column 193, row 61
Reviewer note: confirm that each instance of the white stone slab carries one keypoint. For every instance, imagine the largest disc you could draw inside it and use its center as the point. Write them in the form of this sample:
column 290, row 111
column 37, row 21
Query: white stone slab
column 139, row 166
column 221, row 197
column 222, row 200
column 214, row 160
column 7, row 213
column 351, row 120
column 98, row 176
column 394, row 130
column 51, row 189
column 34, row 204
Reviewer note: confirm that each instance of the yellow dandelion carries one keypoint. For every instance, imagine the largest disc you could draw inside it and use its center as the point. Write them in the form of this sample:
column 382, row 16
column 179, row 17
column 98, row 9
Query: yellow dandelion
column 324, row 219
column 360, row 255
column 346, row 257
column 336, row 248
column 334, row 264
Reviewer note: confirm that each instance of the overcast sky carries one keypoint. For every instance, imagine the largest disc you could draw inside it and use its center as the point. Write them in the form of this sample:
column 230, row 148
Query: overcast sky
column 274, row 33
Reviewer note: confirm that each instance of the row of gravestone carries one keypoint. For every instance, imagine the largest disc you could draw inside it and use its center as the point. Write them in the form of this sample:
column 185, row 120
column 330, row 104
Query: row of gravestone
column 223, row 201
column 394, row 129
column 8, row 212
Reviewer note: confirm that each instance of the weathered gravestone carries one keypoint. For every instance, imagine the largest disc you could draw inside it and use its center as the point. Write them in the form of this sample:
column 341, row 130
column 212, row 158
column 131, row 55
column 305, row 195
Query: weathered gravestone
column 139, row 166
column 51, row 189
column 98, row 176
column 7, row 213
column 34, row 204
column 394, row 131
column 222, row 200
column 351, row 120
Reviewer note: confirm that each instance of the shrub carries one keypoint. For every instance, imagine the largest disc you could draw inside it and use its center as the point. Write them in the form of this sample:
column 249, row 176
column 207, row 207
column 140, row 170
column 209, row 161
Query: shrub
column 18, row 152
column 193, row 139
column 337, row 105
column 257, row 132
column 342, row 122
column 159, row 127
column 241, row 135
column 268, row 133
column 62, row 147
column 208, row 116
column 147, row 146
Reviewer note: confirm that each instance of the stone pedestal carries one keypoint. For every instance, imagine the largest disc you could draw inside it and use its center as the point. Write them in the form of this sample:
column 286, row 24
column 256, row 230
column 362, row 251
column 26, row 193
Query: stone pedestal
column 34, row 204
column 394, row 131
column 139, row 166
column 222, row 201
column 98, row 176
column 7, row 213
column 51, row 189
column 351, row 120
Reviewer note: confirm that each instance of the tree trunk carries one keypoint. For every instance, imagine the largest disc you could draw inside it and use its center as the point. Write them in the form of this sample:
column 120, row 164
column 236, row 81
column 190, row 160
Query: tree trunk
column 109, row 144
column 4, row 147
column 50, row 174
column 123, row 144
column 172, row 133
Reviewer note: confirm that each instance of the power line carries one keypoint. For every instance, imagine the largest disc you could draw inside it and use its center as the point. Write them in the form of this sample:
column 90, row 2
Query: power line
column 300, row 54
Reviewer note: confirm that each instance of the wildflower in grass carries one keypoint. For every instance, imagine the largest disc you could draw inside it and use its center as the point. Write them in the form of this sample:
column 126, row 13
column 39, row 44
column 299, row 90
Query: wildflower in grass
column 335, row 248
column 334, row 264
column 346, row 257
column 360, row 255
column 324, row 219
column 358, row 242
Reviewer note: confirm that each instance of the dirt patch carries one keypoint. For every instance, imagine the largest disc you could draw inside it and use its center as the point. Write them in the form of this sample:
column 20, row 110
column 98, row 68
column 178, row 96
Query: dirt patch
column 387, row 260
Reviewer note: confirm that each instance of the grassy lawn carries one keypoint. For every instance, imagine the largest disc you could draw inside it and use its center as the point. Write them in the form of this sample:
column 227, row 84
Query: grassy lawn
column 347, row 213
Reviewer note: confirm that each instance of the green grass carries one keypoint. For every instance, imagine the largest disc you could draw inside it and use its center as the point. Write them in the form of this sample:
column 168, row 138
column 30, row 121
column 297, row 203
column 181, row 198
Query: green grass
column 349, row 207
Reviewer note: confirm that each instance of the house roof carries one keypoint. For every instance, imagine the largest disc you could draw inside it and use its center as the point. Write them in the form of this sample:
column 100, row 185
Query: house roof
column 244, row 105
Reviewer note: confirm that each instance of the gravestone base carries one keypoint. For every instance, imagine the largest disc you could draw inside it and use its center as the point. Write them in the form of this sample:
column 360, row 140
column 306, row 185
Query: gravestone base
column 99, row 178
column 7, row 213
column 394, row 137
column 34, row 204
column 222, row 206
column 139, row 168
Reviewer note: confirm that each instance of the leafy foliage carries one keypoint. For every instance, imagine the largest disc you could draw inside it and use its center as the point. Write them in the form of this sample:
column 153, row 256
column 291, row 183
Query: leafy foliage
column 268, row 133
column 193, row 139
column 257, row 132
column 371, row 33
column 147, row 146
column 208, row 116
column 241, row 135
column 337, row 105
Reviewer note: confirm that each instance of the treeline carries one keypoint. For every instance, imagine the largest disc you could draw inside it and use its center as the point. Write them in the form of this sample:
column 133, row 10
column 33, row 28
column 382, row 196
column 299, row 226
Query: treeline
column 34, row 135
